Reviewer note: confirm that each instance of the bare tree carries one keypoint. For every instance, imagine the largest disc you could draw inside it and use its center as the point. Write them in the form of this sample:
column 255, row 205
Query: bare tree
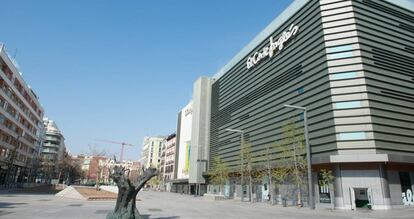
column 247, row 165
column 219, row 174
column 296, row 161
column 269, row 165
column 96, row 152
column 64, row 165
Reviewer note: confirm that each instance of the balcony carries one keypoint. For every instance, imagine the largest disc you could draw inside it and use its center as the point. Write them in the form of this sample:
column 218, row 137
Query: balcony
column 48, row 145
column 49, row 151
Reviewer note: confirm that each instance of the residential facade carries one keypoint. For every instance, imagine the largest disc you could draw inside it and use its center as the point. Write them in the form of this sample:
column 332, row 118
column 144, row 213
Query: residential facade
column 169, row 161
column 53, row 145
column 20, row 124
column 91, row 167
column 349, row 63
column 151, row 151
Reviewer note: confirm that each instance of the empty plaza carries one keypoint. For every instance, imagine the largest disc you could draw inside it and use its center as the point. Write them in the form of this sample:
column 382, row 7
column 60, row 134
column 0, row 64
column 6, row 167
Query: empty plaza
column 164, row 205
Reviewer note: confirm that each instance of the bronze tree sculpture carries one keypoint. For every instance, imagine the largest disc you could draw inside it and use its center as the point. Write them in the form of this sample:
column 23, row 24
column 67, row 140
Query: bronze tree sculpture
column 125, row 207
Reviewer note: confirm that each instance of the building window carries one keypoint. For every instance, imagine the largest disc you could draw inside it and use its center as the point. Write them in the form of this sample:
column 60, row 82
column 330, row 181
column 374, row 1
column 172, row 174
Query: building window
column 339, row 48
column 352, row 136
column 347, row 104
column 344, row 75
column 301, row 116
column 340, row 55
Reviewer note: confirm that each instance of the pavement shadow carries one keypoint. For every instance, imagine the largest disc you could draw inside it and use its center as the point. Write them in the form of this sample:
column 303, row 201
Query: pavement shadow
column 147, row 216
column 10, row 205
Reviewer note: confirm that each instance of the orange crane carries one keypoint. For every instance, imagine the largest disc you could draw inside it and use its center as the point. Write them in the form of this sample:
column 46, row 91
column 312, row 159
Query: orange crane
column 123, row 144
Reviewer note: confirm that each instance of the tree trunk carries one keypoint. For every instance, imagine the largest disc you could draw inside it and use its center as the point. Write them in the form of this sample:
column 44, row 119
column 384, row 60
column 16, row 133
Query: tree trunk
column 60, row 174
column 251, row 187
column 299, row 196
column 272, row 201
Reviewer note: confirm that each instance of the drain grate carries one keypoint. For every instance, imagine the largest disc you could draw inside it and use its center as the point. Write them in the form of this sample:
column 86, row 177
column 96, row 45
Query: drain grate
column 102, row 211
column 75, row 205
column 154, row 209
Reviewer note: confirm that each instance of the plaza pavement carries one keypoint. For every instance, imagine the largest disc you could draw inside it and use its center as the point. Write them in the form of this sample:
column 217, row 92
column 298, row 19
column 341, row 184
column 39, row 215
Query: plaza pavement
column 164, row 205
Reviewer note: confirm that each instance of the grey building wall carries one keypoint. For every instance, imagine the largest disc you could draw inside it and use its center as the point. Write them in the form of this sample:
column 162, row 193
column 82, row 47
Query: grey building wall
column 350, row 65
column 177, row 145
column 200, row 134
column 395, row 188
column 386, row 38
column 252, row 100
column 380, row 53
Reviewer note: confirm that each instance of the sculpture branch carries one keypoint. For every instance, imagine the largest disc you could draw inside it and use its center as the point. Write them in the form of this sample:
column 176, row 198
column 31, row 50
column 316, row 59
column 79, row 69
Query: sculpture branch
column 127, row 192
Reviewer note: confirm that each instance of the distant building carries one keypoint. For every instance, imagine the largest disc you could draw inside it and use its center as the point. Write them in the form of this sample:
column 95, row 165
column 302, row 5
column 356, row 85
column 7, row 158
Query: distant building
column 168, row 161
column 21, row 123
column 90, row 166
column 183, row 146
column 151, row 151
column 53, row 149
column 53, row 145
column 105, row 167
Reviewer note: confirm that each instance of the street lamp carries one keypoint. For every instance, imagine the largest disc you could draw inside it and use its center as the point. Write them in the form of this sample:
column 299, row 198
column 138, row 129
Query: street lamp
column 308, row 153
column 241, row 132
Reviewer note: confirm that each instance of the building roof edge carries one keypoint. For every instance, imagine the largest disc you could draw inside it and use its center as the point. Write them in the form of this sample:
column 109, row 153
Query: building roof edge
column 265, row 33
column 407, row 4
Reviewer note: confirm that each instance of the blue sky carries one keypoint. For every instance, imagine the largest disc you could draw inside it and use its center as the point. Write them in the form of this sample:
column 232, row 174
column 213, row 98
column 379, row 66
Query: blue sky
column 121, row 70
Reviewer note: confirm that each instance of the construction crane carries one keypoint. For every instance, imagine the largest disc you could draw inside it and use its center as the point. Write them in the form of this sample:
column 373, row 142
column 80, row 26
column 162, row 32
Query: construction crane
column 123, row 144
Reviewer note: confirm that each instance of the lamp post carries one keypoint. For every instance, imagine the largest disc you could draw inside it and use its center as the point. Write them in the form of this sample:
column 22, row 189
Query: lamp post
column 241, row 132
column 308, row 153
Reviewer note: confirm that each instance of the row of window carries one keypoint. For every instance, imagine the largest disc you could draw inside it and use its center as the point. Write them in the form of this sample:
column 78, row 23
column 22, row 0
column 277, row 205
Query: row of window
column 13, row 141
column 13, row 112
column 339, row 52
column 345, row 136
column 169, row 169
column 7, row 153
column 5, row 68
column 13, row 127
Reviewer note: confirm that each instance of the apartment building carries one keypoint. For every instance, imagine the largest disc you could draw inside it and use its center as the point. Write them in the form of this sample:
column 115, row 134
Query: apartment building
column 20, row 124
column 53, row 146
column 151, row 151
column 168, row 161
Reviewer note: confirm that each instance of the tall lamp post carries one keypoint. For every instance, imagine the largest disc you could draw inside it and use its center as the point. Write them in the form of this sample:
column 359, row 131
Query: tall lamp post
column 308, row 153
column 241, row 132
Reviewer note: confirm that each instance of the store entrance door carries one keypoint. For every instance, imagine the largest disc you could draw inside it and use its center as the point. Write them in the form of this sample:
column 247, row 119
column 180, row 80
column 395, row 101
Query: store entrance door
column 362, row 198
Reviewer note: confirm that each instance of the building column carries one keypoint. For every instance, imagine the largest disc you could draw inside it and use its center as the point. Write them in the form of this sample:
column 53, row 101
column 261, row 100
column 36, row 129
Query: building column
column 338, row 191
column 385, row 188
